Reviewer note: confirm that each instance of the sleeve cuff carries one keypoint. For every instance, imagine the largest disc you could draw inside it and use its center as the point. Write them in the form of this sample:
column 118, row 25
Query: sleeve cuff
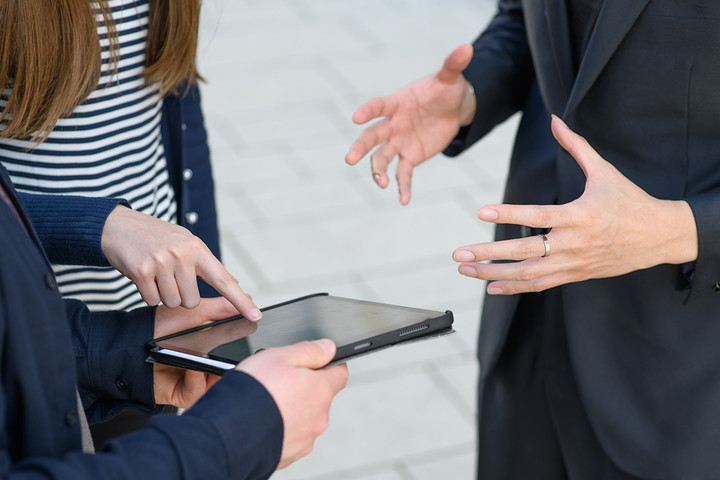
column 247, row 421
column 70, row 227
column 706, row 273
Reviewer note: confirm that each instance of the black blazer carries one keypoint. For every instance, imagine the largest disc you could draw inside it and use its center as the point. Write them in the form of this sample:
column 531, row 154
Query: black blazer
column 645, row 346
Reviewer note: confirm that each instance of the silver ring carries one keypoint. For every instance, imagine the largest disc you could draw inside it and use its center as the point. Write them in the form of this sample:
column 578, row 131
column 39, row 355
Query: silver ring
column 546, row 244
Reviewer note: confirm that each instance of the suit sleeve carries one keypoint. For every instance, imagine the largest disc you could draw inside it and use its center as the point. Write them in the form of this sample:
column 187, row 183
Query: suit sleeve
column 110, row 354
column 500, row 72
column 705, row 284
column 234, row 432
column 70, row 226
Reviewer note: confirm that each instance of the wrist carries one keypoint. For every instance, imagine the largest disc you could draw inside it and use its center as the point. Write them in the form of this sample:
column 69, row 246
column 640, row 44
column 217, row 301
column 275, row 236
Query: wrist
column 113, row 231
column 468, row 106
column 682, row 244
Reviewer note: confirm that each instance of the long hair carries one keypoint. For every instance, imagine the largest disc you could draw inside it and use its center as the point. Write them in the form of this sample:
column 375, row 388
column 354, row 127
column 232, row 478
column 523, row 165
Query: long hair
column 50, row 56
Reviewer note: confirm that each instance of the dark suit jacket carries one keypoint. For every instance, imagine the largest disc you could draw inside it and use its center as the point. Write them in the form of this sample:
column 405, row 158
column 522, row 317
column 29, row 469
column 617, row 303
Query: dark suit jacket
column 644, row 346
column 49, row 346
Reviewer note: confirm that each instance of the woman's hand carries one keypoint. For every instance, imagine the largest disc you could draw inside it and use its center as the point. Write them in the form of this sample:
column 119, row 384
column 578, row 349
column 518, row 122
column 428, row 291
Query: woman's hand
column 420, row 121
column 164, row 260
column 614, row 228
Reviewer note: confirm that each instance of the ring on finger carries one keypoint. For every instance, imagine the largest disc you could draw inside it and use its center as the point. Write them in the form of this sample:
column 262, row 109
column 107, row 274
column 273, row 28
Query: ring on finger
column 546, row 244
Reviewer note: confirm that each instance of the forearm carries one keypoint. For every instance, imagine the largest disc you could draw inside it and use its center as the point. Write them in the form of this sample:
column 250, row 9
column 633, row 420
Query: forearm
column 70, row 227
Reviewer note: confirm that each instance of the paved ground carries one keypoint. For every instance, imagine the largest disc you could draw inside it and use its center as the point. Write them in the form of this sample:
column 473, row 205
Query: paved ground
column 284, row 77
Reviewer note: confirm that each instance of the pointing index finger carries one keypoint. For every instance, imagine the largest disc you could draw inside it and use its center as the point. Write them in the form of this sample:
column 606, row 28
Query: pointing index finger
column 220, row 279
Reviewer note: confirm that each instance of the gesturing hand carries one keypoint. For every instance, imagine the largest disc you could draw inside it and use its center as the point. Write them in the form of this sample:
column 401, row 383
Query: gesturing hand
column 421, row 120
column 164, row 261
column 612, row 229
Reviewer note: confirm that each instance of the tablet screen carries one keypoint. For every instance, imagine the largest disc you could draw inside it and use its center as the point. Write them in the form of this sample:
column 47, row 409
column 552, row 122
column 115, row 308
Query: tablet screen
column 352, row 324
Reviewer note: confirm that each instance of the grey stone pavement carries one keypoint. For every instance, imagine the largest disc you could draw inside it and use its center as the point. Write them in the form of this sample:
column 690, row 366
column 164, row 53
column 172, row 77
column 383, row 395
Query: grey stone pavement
column 283, row 79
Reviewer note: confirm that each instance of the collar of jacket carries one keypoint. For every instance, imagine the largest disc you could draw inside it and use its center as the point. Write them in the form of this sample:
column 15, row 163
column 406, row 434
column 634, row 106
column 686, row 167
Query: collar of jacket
column 547, row 26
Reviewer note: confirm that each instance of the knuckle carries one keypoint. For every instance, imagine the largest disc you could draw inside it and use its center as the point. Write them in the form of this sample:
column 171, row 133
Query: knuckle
column 191, row 302
column 482, row 252
column 544, row 217
column 171, row 302
column 323, row 424
column 195, row 242
column 146, row 270
column 526, row 275
column 151, row 299
column 539, row 285
column 307, row 349
column 525, row 251
column 377, row 159
column 160, row 260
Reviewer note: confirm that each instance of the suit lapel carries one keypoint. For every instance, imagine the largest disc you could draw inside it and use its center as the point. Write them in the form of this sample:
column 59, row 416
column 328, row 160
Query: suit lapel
column 546, row 24
column 556, row 16
column 614, row 21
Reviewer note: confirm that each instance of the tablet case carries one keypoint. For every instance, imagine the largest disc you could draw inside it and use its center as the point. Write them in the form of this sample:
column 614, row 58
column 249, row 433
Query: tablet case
column 217, row 364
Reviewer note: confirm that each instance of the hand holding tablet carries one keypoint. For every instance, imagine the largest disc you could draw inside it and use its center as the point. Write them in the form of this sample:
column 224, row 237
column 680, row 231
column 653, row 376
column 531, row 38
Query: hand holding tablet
column 356, row 327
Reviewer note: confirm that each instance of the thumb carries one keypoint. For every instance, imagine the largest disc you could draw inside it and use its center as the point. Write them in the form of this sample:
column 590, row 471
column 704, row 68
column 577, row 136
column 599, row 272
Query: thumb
column 313, row 355
column 455, row 63
column 584, row 154
column 216, row 308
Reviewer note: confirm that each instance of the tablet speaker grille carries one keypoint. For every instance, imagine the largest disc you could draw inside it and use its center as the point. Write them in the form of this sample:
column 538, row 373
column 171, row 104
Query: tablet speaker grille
column 411, row 330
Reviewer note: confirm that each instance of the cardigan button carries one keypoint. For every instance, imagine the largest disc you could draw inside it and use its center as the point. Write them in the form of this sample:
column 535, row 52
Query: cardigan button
column 192, row 218
column 717, row 287
column 187, row 174
column 50, row 280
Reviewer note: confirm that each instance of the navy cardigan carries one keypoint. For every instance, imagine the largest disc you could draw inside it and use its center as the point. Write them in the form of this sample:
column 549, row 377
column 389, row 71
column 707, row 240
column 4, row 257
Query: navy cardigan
column 70, row 227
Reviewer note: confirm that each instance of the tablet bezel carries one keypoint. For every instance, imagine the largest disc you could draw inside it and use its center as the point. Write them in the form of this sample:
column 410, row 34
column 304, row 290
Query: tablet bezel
column 433, row 323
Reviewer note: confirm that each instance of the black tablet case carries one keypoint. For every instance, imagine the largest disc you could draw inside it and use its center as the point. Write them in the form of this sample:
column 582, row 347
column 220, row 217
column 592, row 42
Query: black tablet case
column 434, row 324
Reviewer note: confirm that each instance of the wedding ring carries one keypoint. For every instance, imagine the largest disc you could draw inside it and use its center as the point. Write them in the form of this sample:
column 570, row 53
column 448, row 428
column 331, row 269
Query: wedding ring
column 546, row 244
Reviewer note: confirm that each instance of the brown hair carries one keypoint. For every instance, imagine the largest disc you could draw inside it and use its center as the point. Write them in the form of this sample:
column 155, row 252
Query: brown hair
column 50, row 56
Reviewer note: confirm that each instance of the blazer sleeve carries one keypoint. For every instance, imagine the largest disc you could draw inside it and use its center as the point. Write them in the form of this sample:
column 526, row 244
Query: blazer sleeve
column 705, row 284
column 234, row 432
column 70, row 226
column 110, row 354
column 501, row 73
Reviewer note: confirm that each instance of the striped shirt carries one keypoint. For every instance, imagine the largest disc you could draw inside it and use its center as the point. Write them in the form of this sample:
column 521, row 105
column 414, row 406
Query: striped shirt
column 110, row 146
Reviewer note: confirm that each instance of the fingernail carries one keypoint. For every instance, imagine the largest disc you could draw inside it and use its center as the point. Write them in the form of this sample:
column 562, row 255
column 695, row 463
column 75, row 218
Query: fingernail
column 488, row 214
column 377, row 177
column 464, row 256
column 467, row 271
column 326, row 344
column 255, row 315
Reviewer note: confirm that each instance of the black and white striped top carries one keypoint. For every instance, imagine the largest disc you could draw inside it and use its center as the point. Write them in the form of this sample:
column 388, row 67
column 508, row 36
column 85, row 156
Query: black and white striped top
column 110, row 146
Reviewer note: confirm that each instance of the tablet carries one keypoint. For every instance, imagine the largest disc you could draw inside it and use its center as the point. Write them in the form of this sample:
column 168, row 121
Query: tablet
column 356, row 326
